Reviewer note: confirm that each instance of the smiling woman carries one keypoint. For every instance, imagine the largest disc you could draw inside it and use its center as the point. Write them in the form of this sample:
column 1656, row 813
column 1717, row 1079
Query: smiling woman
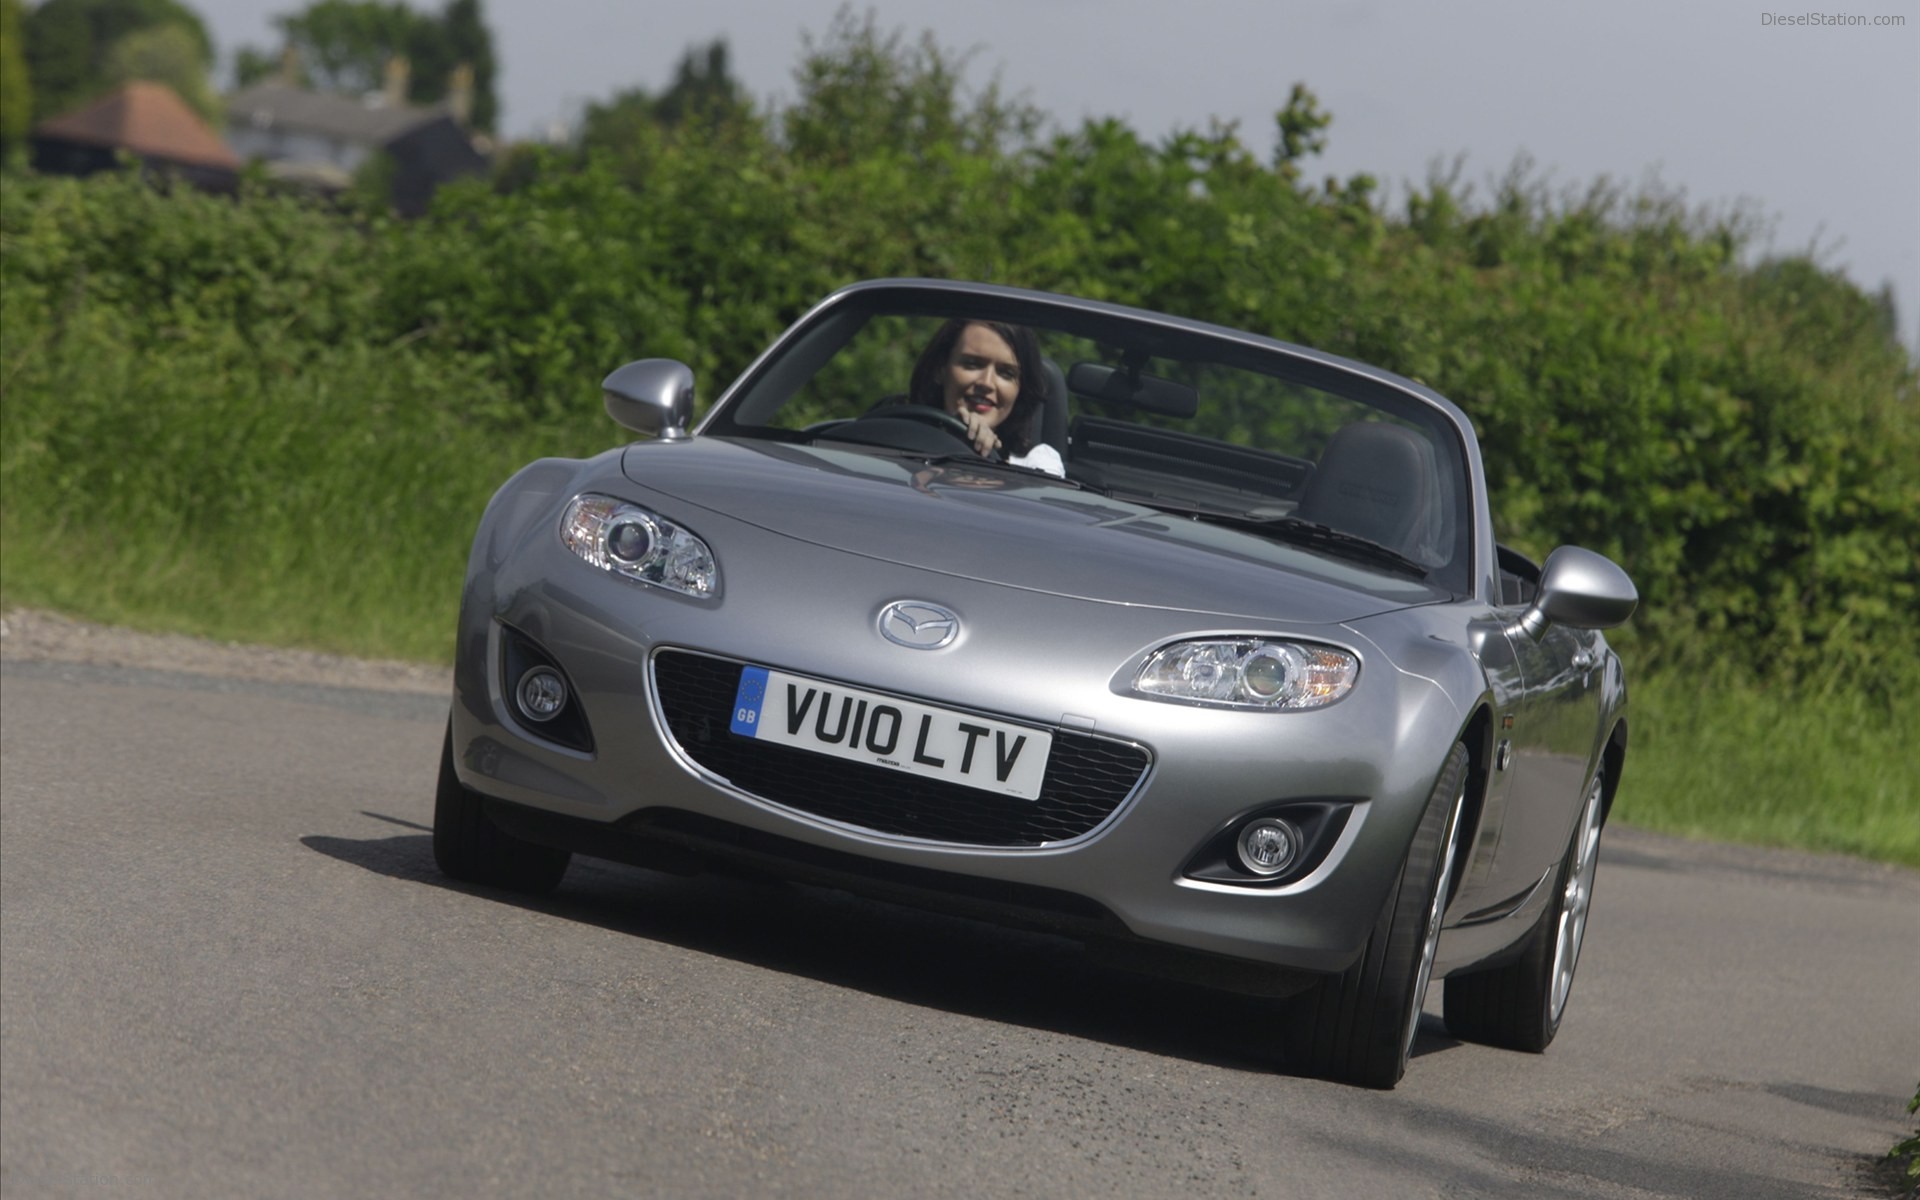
column 989, row 375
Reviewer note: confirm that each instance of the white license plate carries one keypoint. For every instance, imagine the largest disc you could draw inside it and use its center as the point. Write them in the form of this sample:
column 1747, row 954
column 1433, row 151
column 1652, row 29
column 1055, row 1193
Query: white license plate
column 919, row 739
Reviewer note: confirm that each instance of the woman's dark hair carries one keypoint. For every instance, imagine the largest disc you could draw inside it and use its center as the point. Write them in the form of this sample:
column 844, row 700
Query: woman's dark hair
column 1017, row 432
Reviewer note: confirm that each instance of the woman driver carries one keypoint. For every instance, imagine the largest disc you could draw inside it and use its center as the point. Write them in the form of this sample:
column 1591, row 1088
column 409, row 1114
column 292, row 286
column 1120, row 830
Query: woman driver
column 988, row 375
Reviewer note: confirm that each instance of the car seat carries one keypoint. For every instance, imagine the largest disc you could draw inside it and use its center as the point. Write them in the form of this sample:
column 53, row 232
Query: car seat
column 1377, row 481
column 1050, row 420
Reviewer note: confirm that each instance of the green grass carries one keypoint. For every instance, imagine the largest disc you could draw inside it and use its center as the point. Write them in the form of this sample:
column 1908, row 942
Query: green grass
column 1810, row 764
column 191, row 491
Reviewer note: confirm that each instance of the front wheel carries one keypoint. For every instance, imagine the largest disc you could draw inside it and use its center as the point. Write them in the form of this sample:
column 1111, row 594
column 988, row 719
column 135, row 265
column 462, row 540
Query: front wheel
column 471, row 848
column 1519, row 1004
column 1358, row 1026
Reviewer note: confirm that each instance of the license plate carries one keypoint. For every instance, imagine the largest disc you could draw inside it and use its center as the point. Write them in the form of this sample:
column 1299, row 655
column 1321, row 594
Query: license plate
column 919, row 739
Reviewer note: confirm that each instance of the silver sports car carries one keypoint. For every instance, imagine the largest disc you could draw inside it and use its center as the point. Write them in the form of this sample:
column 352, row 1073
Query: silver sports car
column 1182, row 641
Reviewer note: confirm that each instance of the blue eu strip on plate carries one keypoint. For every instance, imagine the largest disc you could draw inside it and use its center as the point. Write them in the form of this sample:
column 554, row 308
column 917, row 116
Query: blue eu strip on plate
column 747, row 701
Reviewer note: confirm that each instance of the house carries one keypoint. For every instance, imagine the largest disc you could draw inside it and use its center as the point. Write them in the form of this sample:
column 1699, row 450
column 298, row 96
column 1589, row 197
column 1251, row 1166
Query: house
column 147, row 120
column 320, row 139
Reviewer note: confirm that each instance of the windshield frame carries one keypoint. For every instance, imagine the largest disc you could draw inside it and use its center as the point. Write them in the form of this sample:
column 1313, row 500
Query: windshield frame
column 812, row 341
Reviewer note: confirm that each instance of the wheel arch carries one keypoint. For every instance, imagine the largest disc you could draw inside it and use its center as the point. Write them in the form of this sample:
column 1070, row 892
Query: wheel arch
column 1477, row 736
column 1613, row 760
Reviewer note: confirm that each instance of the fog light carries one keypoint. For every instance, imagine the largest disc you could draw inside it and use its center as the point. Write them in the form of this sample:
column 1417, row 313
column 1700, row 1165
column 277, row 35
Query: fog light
column 1268, row 846
column 541, row 694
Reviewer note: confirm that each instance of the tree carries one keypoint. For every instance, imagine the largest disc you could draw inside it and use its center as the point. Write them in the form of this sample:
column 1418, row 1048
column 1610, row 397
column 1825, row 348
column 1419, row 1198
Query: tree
column 346, row 46
column 863, row 91
column 703, row 89
column 460, row 39
column 620, row 123
column 69, row 45
column 165, row 54
column 703, row 92
column 1302, row 126
column 252, row 64
column 16, row 92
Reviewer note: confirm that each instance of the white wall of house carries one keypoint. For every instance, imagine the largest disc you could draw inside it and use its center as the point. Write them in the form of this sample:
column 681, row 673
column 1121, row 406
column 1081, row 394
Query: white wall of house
column 251, row 141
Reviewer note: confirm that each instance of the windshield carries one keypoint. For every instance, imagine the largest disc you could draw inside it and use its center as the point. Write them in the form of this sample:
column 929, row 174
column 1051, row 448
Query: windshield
column 1208, row 427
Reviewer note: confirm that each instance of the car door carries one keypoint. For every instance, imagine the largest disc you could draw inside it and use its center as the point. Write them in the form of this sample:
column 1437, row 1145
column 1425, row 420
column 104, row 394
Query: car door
column 1554, row 728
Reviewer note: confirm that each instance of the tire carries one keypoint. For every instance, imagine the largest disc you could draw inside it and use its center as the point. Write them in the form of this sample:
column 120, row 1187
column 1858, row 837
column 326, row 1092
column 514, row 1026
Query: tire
column 1358, row 1026
column 1519, row 1004
column 471, row 848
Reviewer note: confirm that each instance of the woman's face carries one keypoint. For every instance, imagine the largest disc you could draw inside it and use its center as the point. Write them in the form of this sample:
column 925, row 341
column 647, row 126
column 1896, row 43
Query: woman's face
column 982, row 376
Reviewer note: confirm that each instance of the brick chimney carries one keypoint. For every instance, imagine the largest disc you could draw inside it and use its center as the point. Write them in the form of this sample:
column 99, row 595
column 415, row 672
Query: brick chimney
column 460, row 94
column 395, row 93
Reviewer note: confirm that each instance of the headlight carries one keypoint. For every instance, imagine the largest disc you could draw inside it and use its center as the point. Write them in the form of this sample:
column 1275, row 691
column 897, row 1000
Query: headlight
column 628, row 540
column 1249, row 673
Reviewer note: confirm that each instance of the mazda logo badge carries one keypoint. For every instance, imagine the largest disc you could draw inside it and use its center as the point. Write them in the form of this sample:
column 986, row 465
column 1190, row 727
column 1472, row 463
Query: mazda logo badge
column 918, row 625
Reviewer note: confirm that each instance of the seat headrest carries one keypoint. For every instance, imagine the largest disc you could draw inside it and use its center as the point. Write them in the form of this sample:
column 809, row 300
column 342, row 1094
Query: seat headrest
column 1374, row 480
column 1052, row 428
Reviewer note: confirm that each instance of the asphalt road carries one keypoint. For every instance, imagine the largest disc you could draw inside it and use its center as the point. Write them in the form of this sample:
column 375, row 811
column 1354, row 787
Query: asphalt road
column 228, row 968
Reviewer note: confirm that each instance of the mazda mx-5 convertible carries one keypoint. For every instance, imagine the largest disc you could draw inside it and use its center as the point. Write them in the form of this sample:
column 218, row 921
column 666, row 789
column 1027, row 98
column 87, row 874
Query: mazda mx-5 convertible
column 1184, row 642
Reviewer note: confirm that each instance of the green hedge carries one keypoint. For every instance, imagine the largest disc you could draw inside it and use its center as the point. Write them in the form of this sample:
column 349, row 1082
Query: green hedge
column 302, row 382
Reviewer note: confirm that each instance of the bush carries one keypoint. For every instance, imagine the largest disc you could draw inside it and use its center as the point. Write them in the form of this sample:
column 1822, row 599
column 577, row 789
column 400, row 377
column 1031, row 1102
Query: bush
column 1909, row 1150
column 1742, row 438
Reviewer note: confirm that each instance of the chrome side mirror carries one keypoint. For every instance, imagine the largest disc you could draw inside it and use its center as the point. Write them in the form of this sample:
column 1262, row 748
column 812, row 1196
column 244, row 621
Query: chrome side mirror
column 1581, row 589
column 653, row 396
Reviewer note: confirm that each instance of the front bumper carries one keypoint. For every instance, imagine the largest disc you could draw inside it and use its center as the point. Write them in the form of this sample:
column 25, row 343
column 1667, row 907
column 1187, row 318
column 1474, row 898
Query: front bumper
column 1121, row 879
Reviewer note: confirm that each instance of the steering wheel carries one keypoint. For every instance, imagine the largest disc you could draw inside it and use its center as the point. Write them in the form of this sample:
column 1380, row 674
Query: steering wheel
column 938, row 418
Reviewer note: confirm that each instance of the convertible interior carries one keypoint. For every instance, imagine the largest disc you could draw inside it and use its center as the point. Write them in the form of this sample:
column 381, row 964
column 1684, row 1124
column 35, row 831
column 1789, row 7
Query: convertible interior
column 1258, row 439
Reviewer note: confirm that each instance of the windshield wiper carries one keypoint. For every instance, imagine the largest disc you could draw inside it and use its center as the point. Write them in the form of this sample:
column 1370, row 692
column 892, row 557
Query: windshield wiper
column 1313, row 534
column 1309, row 534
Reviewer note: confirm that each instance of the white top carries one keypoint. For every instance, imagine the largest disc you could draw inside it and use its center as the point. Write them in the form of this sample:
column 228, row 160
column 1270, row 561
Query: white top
column 1041, row 458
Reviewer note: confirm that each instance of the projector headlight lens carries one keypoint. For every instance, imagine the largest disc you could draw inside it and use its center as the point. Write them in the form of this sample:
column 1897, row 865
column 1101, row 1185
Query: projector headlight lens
column 643, row 546
column 631, row 540
column 1249, row 673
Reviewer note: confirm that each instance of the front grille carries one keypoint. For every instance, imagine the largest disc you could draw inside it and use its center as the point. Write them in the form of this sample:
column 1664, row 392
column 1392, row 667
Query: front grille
column 1087, row 777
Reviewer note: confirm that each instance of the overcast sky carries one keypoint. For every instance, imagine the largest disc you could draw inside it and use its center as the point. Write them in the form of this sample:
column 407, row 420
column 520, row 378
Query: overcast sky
column 1814, row 127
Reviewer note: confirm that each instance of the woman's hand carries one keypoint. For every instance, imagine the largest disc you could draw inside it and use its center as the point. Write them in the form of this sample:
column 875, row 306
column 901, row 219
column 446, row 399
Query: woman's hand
column 986, row 443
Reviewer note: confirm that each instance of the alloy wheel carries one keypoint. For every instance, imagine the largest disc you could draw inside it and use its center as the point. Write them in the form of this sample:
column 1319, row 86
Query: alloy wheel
column 1575, row 903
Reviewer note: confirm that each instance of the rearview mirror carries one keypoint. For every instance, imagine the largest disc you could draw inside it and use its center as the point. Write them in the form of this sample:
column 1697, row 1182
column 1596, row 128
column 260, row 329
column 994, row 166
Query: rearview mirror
column 653, row 396
column 1581, row 589
column 1135, row 389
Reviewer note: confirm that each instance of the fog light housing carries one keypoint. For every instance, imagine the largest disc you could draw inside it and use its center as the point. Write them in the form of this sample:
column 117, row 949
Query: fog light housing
column 541, row 694
column 1274, row 847
column 1268, row 846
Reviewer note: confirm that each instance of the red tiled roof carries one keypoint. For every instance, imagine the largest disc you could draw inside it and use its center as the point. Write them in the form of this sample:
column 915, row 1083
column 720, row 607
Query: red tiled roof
column 150, row 120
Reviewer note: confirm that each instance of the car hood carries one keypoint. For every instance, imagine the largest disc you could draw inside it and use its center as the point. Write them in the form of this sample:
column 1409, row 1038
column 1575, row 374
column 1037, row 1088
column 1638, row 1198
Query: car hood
column 1011, row 528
